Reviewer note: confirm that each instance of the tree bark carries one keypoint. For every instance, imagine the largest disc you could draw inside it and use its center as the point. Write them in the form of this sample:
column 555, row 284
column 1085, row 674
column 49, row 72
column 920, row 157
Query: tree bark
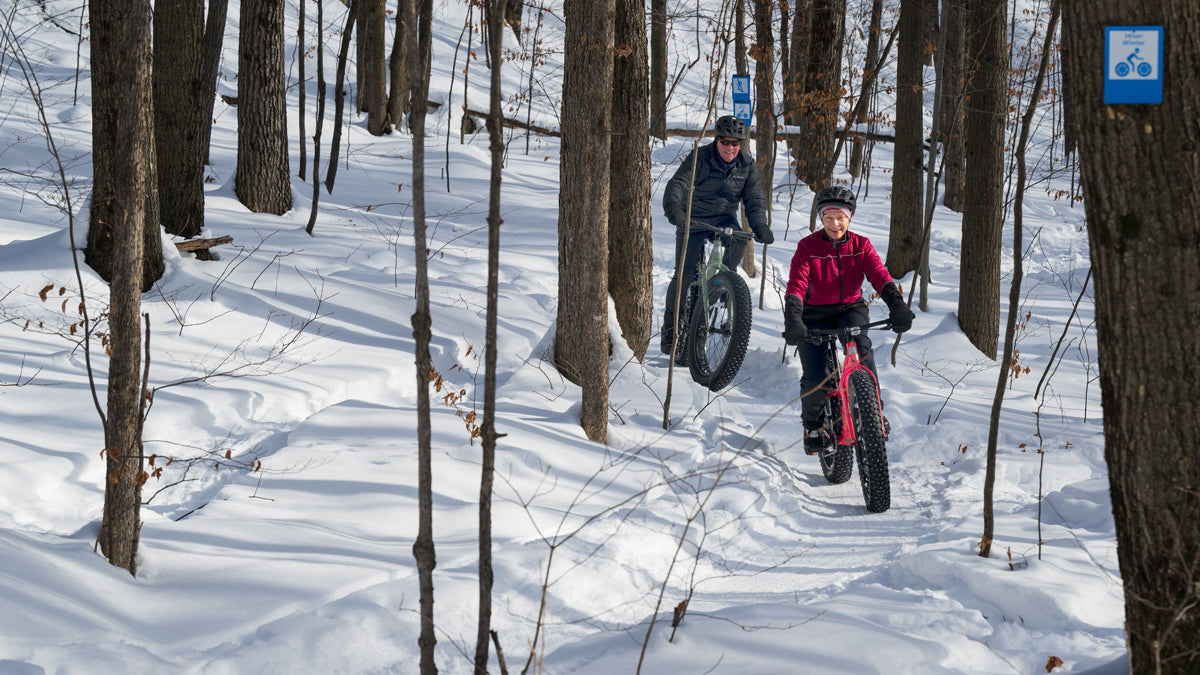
column 763, row 51
column 1014, row 292
column 179, row 117
column 121, row 82
column 399, row 94
column 495, row 29
column 111, row 107
column 214, row 37
column 953, row 103
column 263, row 181
column 983, row 215
column 740, row 65
column 856, row 151
column 424, row 552
column 793, row 80
column 658, row 69
column 631, row 246
column 823, row 91
column 374, row 66
column 339, row 96
column 905, row 235
column 319, row 124
column 581, row 341
column 1140, row 170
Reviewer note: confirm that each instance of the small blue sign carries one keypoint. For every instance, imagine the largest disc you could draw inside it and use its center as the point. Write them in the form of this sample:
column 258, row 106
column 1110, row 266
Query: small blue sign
column 743, row 111
column 741, row 88
column 1133, row 58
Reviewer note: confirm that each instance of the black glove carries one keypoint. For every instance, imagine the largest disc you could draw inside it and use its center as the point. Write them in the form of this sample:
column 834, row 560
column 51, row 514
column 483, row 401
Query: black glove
column 765, row 235
column 794, row 330
column 899, row 313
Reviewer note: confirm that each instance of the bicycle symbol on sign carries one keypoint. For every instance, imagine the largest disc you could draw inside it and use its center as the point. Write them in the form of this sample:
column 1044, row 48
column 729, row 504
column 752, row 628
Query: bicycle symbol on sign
column 1143, row 69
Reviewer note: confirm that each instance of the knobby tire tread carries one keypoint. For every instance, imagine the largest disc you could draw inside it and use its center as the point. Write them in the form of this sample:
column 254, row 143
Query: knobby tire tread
column 839, row 464
column 737, row 299
column 871, row 447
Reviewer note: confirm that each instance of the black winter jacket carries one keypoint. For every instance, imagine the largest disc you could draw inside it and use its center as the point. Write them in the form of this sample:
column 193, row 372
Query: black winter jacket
column 718, row 192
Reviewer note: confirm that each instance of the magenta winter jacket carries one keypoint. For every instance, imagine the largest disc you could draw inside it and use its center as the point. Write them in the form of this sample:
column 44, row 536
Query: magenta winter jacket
column 825, row 272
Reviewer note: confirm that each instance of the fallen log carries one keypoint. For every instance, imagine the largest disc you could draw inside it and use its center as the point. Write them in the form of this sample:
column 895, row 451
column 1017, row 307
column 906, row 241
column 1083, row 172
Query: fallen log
column 511, row 123
column 201, row 246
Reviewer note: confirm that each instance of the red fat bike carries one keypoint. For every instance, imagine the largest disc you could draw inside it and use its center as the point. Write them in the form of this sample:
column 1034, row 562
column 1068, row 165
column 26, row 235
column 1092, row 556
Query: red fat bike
column 854, row 424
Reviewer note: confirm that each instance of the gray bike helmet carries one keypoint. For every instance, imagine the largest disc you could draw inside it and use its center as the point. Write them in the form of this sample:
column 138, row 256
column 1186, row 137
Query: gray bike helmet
column 730, row 127
column 836, row 195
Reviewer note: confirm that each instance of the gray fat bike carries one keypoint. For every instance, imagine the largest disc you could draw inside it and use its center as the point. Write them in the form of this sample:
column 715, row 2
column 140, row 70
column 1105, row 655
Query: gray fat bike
column 719, row 311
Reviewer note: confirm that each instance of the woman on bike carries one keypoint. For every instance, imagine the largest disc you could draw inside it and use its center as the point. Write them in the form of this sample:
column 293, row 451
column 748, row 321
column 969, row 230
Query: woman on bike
column 726, row 177
column 825, row 291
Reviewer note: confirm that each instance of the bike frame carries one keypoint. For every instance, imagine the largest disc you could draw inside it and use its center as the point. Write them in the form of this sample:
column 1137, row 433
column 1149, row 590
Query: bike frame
column 847, row 362
column 714, row 258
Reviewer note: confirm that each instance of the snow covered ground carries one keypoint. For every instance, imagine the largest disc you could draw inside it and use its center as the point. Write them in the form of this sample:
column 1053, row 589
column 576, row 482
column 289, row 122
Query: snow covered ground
column 279, row 539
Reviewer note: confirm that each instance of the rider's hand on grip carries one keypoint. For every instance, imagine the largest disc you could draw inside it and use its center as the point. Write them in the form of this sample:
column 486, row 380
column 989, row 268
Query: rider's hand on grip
column 794, row 330
column 899, row 313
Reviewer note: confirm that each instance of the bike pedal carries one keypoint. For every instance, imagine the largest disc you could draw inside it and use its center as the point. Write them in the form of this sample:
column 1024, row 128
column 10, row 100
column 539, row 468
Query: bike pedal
column 815, row 442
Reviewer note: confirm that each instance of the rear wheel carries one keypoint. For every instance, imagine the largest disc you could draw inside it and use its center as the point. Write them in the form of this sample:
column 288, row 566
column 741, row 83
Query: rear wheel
column 837, row 461
column 870, row 446
column 719, row 331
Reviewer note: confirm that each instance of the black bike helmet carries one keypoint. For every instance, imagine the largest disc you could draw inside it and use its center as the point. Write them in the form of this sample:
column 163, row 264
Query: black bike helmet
column 730, row 127
column 835, row 195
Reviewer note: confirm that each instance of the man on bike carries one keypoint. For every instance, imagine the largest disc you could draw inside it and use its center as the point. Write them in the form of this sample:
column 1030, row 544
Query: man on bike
column 726, row 177
column 825, row 291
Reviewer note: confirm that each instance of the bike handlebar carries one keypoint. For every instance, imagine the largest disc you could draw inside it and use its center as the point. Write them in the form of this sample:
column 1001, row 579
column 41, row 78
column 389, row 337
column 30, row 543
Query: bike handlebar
column 723, row 231
column 819, row 335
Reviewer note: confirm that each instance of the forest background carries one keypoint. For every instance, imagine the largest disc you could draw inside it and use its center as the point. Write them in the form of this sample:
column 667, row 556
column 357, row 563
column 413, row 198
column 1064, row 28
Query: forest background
column 286, row 462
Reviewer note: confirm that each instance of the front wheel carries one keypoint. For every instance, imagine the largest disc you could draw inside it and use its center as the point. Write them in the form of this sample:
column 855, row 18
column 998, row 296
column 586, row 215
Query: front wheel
column 869, row 446
column 719, row 331
column 837, row 461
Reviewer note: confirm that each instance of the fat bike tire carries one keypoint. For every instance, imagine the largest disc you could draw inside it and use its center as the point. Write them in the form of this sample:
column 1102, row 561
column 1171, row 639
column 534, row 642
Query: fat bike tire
column 837, row 461
column 720, row 331
column 870, row 446
column 681, row 335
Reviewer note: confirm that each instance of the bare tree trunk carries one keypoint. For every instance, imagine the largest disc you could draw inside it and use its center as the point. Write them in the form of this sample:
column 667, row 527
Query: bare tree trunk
column 320, row 117
column 263, row 181
column 398, row 68
column 823, row 91
column 374, row 67
column 178, row 116
column 423, row 548
column 658, row 68
column 1014, row 294
column 764, row 89
column 581, row 341
column 214, row 37
column 785, row 39
column 339, row 98
column 856, row 151
column 953, row 102
column 121, row 82
column 631, row 246
column 302, row 90
column 983, row 217
column 793, row 81
column 1147, row 307
column 495, row 28
column 904, row 241
column 107, row 206
column 740, row 65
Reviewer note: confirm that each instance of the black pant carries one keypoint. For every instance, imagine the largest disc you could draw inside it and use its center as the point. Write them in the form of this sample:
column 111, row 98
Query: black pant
column 691, row 262
column 812, row 356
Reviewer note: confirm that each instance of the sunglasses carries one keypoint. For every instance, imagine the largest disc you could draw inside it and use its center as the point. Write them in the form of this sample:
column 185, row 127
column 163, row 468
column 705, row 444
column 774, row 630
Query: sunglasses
column 730, row 142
